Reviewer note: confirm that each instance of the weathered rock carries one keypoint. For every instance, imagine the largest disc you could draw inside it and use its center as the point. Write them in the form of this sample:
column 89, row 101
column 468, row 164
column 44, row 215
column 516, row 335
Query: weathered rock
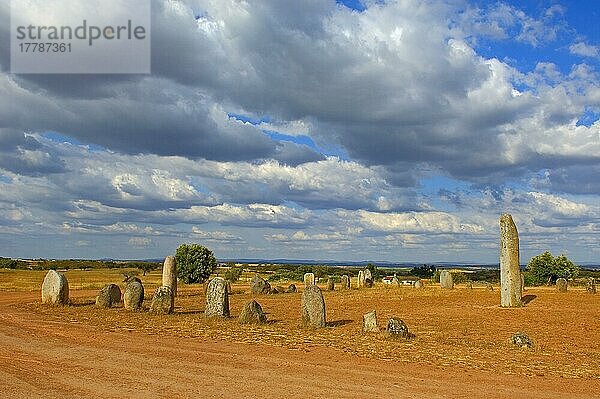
column 291, row 288
column 397, row 328
column 446, row 280
column 229, row 288
column 313, row 307
column 330, row 284
column 309, row 279
column 55, row 289
column 368, row 279
column 522, row 283
column 217, row 298
column 370, row 322
column 561, row 285
column 277, row 290
column 163, row 301
column 418, row 284
column 345, row 282
column 395, row 280
column 361, row 279
column 469, row 285
column 259, row 285
column 109, row 296
column 510, row 269
column 521, row 340
column 252, row 313
column 169, row 274
column 590, row 286
column 133, row 295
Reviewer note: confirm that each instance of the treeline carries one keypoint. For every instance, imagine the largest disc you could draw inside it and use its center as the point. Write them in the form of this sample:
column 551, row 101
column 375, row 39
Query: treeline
column 67, row 264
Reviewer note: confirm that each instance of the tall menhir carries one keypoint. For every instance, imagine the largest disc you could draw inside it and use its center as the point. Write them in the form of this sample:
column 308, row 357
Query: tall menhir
column 510, row 270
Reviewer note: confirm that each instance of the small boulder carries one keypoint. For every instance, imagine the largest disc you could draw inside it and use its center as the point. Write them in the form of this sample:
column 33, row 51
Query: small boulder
column 259, row 285
column 313, row 307
column 55, row 289
column 370, row 322
column 291, row 288
column 277, row 290
column 309, row 279
column 345, row 281
column 561, row 285
column 109, row 296
column 397, row 328
column 395, row 281
column 418, row 284
column 252, row 313
column 521, row 340
column 590, row 286
column 330, row 284
column 133, row 295
column 163, row 301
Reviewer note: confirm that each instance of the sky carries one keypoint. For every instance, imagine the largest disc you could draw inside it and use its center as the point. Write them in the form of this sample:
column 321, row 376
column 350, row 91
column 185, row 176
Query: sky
column 378, row 130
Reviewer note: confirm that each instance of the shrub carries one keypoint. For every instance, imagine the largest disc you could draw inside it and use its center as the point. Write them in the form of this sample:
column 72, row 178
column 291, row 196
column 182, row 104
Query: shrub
column 195, row 263
column 8, row 263
column 233, row 274
column 545, row 268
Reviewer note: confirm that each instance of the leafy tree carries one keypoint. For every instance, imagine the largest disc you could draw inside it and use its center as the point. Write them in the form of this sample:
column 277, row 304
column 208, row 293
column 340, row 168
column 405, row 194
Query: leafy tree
column 374, row 271
column 195, row 263
column 545, row 268
column 146, row 267
column 8, row 263
column 423, row 271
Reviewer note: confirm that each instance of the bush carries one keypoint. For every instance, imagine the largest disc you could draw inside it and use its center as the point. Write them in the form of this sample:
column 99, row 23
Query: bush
column 423, row 271
column 8, row 263
column 546, row 269
column 233, row 274
column 195, row 263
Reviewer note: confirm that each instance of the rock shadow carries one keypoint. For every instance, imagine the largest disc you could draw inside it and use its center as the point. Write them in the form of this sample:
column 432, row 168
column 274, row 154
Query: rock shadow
column 528, row 298
column 338, row 323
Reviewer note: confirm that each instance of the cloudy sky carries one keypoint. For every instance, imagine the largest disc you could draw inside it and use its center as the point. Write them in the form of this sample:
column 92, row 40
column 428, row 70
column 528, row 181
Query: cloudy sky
column 314, row 129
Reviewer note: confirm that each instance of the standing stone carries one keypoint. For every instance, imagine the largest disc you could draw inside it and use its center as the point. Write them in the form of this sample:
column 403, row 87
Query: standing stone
column 309, row 279
column 252, row 314
column 109, row 296
column 395, row 280
column 397, row 328
column 345, row 282
column 561, row 285
column 169, row 274
column 510, row 269
column 55, row 288
column 361, row 279
column 469, row 285
column 291, row 288
column 229, row 288
column 370, row 322
column 330, row 284
column 418, row 284
column 163, row 301
column 522, row 283
column 259, row 285
column 446, row 280
column 313, row 307
column 217, row 298
column 368, row 278
column 489, row 287
column 590, row 286
column 133, row 295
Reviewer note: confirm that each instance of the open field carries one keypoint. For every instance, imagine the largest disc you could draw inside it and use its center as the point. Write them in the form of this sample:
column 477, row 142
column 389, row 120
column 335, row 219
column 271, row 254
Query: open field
column 461, row 346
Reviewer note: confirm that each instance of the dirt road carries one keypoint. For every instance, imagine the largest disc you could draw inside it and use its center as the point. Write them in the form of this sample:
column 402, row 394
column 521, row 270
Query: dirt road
column 42, row 358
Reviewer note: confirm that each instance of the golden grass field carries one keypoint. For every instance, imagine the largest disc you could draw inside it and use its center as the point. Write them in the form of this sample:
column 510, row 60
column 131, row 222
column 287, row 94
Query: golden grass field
column 461, row 328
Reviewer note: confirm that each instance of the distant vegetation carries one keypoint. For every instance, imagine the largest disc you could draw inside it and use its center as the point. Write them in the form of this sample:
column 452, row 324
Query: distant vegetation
column 67, row 264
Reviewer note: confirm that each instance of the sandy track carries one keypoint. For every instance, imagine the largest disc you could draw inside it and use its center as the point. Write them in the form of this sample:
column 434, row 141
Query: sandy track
column 42, row 358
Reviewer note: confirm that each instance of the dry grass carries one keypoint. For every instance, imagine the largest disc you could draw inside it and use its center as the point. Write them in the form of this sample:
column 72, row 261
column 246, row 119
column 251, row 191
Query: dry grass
column 458, row 328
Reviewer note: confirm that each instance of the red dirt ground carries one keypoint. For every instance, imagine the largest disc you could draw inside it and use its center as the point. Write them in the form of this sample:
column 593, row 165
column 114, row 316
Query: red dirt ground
column 80, row 351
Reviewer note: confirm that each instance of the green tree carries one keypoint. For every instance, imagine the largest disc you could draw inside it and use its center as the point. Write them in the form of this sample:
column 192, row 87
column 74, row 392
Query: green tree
column 195, row 263
column 374, row 271
column 545, row 268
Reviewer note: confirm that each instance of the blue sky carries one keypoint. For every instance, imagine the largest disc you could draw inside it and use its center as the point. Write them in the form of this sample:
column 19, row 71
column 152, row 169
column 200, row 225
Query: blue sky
column 381, row 130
